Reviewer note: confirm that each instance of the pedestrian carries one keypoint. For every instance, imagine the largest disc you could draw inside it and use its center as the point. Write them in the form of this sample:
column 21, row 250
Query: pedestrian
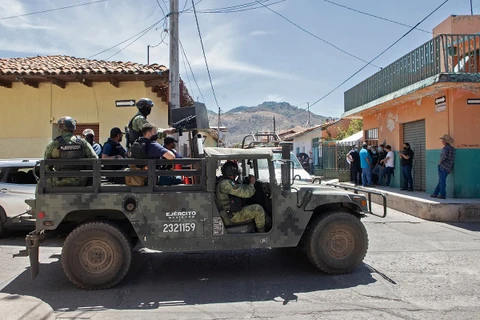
column 406, row 163
column 366, row 165
column 380, row 165
column 445, row 167
column 389, row 163
column 89, row 135
column 310, row 161
column 374, row 155
column 355, row 169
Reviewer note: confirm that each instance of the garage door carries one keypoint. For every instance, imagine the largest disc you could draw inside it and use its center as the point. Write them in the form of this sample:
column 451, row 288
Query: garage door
column 414, row 133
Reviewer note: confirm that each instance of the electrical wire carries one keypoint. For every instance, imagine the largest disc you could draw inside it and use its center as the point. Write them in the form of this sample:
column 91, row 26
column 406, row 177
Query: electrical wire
column 240, row 8
column 317, row 37
column 188, row 77
column 51, row 10
column 374, row 16
column 143, row 32
column 380, row 54
column 204, row 54
column 191, row 70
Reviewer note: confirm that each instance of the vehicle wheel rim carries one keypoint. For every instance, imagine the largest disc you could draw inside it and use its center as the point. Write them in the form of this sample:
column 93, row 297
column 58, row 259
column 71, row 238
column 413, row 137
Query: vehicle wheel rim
column 96, row 256
column 340, row 243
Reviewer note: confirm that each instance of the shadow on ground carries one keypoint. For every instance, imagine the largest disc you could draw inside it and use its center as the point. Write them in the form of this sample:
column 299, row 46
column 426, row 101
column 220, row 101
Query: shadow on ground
column 166, row 279
column 472, row 226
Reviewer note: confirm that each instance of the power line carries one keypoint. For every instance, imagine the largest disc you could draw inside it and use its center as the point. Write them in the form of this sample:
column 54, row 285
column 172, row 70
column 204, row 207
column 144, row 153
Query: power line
column 143, row 32
column 191, row 70
column 240, row 8
column 381, row 53
column 317, row 37
column 50, row 10
column 374, row 16
column 205, row 56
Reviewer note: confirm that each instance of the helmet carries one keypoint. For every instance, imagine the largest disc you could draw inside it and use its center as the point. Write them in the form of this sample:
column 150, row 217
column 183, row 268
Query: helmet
column 67, row 124
column 144, row 102
column 230, row 168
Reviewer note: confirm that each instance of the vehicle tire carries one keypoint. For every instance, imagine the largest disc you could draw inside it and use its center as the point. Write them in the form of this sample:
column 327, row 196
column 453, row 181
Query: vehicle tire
column 2, row 215
column 96, row 255
column 317, row 181
column 336, row 243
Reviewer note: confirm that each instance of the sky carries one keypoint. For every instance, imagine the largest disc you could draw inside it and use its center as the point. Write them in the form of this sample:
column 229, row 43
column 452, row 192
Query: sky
column 254, row 56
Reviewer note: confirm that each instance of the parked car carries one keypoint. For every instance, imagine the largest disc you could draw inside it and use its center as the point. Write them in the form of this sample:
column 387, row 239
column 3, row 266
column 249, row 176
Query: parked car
column 17, row 183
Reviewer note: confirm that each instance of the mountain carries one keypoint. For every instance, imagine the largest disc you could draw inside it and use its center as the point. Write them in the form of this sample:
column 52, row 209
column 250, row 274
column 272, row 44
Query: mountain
column 244, row 120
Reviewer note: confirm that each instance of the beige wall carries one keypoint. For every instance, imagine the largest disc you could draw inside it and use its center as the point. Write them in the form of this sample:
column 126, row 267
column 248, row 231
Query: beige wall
column 458, row 25
column 27, row 113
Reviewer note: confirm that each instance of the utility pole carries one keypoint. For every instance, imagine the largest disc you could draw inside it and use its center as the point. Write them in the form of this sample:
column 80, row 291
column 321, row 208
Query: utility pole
column 218, row 128
column 308, row 108
column 148, row 54
column 274, row 125
column 471, row 7
column 174, row 73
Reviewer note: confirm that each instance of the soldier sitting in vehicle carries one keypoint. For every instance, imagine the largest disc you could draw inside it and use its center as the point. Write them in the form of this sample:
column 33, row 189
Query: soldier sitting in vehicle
column 67, row 146
column 231, row 197
column 147, row 147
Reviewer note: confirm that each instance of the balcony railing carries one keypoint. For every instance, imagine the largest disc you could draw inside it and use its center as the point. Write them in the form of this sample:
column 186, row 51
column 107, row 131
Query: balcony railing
column 443, row 54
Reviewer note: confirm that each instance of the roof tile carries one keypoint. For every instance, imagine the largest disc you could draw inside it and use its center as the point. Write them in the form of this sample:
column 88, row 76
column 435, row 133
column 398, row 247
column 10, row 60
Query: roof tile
column 62, row 65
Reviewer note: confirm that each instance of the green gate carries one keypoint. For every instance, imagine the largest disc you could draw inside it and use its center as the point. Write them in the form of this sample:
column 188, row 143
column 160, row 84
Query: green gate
column 333, row 163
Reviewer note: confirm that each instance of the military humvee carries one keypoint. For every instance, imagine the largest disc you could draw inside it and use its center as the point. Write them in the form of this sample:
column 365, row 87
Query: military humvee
column 105, row 221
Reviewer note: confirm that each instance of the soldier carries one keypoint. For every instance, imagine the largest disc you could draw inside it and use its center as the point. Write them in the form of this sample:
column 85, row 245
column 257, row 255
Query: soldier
column 230, row 197
column 135, row 125
column 68, row 146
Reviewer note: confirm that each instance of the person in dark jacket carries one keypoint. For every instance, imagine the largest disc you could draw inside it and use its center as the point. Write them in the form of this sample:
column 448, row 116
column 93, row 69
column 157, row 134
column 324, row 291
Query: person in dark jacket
column 406, row 163
column 355, row 167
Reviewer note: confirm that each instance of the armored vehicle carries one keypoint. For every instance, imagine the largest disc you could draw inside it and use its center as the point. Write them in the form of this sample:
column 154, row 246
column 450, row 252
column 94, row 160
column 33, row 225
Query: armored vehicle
column 105, row 221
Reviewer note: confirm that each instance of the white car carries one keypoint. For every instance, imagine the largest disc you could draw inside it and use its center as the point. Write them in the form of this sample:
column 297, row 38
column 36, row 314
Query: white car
column 298, row 172
column 17, row 183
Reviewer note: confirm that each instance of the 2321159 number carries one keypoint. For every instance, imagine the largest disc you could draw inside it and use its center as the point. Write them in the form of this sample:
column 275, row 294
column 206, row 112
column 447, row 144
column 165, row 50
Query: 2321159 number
column 179, row 227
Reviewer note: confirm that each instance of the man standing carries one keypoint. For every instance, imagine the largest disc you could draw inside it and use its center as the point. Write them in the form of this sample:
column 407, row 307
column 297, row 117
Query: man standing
column 112, row 149
column 389, row 163
column 381, row 166
column 310, row 161
column 67, row 146
column 374, row 155
column 230, row 198
column 445, row 166
column 366, row 164
column 355, row 168
column 406, row 162
column 89, row 135
column 135, row 125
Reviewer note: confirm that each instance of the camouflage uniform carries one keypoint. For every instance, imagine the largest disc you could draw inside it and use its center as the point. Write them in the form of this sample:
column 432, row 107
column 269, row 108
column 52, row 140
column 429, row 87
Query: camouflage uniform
column 52, row 152
column 139, row 120
column 255, row 211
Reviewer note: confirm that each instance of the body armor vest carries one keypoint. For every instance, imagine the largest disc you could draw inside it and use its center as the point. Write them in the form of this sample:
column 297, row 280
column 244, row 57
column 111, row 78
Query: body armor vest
column 72, row 150
column 134, row 135
column 236, row 203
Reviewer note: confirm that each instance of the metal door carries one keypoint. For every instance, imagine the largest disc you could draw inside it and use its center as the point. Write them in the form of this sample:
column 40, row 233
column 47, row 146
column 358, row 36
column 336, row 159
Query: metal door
column 414, row 133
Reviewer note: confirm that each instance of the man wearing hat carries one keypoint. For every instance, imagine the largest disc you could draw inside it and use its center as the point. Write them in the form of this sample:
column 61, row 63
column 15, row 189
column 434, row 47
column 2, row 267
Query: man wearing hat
column 89, row 135
column 112, row 149
column 169, row 143
column 445, row 166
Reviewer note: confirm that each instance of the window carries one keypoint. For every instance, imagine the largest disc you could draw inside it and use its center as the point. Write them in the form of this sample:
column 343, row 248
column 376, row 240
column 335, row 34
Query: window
column 371, row 136
column 19, row 175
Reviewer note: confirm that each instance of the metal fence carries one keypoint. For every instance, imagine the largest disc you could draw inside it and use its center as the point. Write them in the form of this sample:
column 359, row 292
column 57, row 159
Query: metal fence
column 333, row 162
column 442, row 54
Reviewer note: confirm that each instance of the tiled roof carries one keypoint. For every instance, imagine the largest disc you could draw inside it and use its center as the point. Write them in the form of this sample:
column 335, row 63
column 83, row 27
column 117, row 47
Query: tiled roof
column 66, row 65
column 307, row 130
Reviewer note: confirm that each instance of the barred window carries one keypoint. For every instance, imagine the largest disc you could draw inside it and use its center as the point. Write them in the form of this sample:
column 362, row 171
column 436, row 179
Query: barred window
column 371, row 136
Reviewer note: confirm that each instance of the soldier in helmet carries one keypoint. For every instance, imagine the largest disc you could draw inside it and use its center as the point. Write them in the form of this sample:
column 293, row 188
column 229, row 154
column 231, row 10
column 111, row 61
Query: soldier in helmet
column 68, row 146
column 231, row 198
column 135, row 125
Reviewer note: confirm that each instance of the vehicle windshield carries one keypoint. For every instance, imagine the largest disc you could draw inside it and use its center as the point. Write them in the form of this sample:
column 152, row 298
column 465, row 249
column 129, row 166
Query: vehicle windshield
column 293, row 158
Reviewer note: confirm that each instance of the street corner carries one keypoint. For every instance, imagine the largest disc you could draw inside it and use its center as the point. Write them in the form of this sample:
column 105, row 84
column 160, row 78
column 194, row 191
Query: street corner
column 16, row 307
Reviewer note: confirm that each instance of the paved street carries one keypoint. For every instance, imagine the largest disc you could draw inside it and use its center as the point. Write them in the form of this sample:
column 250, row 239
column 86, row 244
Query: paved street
column 414, row 269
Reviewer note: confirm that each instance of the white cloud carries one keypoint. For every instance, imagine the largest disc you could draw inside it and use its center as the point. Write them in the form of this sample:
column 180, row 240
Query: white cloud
column 274, row 97
column 257, row 33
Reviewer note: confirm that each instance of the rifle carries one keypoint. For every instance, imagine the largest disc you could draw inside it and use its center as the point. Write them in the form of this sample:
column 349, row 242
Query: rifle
column 181, row 124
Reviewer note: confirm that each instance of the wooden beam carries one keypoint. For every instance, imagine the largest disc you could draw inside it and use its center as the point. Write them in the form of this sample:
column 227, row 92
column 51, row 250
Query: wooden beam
column 159, row 88
column 86, row 82
column 156, row 82
column 62, row 84
column 30, row 83
column 6, row 83
column 114, row 82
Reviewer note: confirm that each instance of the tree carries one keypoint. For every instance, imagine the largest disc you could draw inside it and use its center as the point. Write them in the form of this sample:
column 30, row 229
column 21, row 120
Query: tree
column 355, row 126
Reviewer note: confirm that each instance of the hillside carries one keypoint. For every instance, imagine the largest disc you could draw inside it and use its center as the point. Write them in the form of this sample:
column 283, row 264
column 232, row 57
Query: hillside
column 243, row 120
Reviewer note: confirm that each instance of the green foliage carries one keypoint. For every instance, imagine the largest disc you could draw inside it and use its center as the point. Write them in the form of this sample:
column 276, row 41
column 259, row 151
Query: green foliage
column 355, row 126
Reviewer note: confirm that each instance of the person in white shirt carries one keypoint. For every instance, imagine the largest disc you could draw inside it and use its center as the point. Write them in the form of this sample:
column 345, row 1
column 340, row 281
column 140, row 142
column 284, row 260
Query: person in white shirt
column 389, row 162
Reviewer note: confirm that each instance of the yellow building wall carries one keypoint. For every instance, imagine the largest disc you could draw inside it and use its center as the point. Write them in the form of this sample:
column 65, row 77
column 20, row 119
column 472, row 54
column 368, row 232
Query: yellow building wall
column 28, row 114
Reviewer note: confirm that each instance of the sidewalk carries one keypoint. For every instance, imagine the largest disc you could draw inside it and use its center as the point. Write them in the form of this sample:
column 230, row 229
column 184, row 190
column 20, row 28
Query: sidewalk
column 421, row 205
column 17, row 307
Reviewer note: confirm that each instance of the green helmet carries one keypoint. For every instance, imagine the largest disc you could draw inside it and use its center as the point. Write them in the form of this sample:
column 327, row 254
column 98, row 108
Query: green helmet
column 67, row 124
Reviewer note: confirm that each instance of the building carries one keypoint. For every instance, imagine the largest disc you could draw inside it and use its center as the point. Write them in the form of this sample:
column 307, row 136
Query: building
column 431, row 91
column 309, row 139
column 35, row 92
